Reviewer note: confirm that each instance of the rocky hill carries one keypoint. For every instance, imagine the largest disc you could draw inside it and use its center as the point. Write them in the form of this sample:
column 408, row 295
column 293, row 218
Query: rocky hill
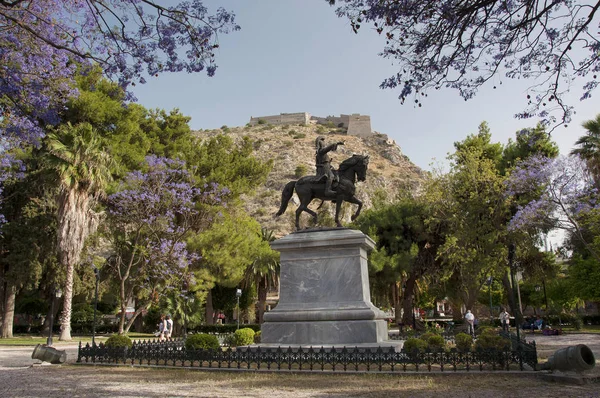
column 293, row 152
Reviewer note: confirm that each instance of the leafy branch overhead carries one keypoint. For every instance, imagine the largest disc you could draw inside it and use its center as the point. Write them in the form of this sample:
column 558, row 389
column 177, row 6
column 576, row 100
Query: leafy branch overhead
column 463, row 44
column 42, row 43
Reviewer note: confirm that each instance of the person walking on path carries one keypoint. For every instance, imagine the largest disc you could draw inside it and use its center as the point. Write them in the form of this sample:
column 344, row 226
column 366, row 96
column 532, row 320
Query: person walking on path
column 168, row 327
column 470, row 318
column 161, row 328
column 504, row 319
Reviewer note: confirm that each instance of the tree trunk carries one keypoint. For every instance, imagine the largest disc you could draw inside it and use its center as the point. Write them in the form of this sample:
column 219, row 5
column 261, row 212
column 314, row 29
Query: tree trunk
column 74, row 225
column 397, row 302
column 2, row 292
column 512, row 303
column 262, row 300
column 10, row 292
column 46, row 325
column 135, row 315
column 408, row 302
column 122, row 317
column 209, row 310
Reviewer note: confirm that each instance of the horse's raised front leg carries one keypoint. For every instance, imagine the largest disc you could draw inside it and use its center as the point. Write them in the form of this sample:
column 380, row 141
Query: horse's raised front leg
column 355, row 201
column 305, row 208
column 338, row 208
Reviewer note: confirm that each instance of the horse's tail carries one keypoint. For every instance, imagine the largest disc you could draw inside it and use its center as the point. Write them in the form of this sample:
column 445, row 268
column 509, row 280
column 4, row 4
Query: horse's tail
column 286, row 195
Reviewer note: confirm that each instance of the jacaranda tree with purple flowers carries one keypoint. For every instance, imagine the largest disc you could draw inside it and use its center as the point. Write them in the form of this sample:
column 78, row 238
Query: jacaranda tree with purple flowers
column 150, row 219
column 466, row 44
column 44, row 42
column 564, row 195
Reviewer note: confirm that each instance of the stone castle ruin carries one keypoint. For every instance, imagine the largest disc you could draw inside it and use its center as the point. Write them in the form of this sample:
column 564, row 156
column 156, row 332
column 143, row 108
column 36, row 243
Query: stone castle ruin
column 355, row 124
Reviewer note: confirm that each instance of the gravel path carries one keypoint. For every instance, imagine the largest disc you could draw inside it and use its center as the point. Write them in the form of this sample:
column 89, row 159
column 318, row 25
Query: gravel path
column 18, row 378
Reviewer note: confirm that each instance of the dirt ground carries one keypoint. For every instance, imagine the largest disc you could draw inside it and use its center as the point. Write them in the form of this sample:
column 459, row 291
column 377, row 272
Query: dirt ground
column 18, row 378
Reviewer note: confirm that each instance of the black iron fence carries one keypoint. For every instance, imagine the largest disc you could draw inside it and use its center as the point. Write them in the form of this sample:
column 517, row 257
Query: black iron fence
column 519, row 343
column 348, row 359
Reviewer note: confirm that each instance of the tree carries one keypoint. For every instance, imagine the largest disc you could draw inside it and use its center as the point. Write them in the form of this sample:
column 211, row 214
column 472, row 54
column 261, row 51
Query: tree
column 567, row 195
column 43, row 43
column 406, row 249
column 589, row 148
column 464, row 44
column 263, row 271
column 27, row 242
column 225, row 251
column 150, row 220
column 82, row 168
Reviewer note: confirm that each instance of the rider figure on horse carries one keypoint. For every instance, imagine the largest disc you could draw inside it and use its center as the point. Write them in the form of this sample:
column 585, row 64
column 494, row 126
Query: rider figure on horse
column 323, row 163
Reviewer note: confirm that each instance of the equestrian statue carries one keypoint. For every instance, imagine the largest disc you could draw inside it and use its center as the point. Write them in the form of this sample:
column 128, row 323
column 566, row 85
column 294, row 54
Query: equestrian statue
column 328, row 184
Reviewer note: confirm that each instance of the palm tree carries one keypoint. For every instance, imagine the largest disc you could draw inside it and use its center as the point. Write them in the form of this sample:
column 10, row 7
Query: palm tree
column 589, row 148
column 263, row 272
column 82, row 169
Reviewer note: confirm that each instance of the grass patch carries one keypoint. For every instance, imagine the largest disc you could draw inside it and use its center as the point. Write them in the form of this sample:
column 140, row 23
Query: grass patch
column 30, row 340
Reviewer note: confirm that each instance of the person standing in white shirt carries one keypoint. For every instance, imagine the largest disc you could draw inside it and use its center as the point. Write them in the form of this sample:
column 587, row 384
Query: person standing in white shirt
column 470, row 318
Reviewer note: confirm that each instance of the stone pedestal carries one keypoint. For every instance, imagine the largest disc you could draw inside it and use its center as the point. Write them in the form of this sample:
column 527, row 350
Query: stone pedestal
column 324, row 294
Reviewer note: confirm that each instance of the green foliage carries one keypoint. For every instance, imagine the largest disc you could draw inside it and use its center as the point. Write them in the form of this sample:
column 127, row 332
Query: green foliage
column 301, row 170
column 528, row 142
column 227, row 249
column 488, row 331
column 464, row 342
column 202, row 341
column 83, row 313
column 436, row 342
column 492, row 342
column 244, row 336
column 262, row 121
column 412, row 345
column 257, row 336
column 220, row 160
column 584, row 278
column 118, row 341
column 426, row 336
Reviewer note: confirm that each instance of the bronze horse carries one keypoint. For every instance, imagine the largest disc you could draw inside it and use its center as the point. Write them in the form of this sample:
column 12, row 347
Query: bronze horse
column 308, row 188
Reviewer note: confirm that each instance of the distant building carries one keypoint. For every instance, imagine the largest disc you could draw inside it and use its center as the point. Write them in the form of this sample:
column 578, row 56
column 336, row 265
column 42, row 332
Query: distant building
column 355, row 124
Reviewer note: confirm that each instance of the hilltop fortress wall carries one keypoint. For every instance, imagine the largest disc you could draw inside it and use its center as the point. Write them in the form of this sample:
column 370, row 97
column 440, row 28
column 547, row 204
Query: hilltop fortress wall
column 355, row 124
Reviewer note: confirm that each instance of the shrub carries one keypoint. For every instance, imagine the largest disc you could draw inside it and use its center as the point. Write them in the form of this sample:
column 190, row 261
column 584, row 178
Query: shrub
column 488, row 331
column 412, row 344
column 436, row 343
column 300, row 171
column 257, row 337
column 118, row 341
column 243, row 336
column 262, row 121
column 292, row 132
column 464, row 342
column 298, row 136
column 491, row 342
column 202, row 341
column 425, row 336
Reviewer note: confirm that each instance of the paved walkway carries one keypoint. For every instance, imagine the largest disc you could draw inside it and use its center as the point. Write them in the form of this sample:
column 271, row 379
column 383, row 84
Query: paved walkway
column 18, row 378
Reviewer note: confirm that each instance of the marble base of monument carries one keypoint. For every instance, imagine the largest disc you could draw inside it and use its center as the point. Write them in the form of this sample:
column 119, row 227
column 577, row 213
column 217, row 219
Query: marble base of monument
column 324, row 292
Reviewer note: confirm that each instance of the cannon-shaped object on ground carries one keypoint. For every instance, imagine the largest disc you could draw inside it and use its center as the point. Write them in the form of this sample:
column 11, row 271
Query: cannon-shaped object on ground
column 49, row 354
column 578, row 358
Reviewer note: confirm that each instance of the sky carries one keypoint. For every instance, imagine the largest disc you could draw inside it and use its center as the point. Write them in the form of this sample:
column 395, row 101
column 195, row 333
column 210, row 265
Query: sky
column 298, row 56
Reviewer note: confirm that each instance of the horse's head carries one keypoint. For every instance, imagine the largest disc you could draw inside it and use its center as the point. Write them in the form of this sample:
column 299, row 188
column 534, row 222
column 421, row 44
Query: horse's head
column 361, row 168
column 357, row 164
